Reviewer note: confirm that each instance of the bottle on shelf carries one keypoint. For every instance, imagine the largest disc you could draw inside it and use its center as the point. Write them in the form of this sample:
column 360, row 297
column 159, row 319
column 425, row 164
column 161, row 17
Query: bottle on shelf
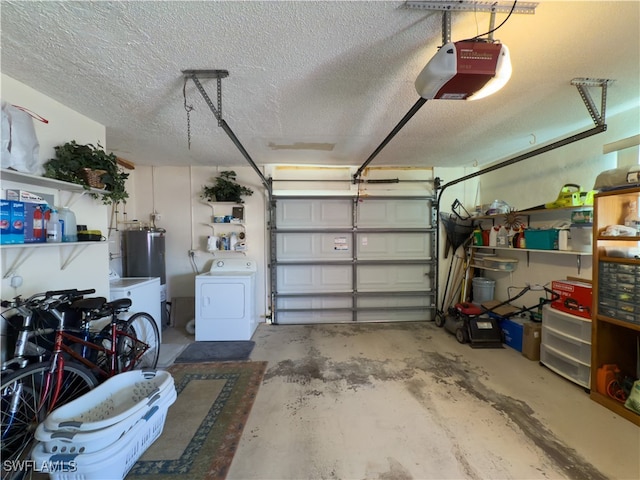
column 69, row 226
column 54, row 230
column 502, row 239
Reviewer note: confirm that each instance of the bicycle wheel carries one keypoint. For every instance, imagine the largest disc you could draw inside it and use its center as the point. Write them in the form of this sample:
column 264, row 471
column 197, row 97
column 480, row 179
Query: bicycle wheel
column 138, row 343
column 24, row 406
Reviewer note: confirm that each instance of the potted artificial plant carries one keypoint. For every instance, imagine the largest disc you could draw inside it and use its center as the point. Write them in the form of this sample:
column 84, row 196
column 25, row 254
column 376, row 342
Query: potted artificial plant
column 90, row 167
column 225, row 189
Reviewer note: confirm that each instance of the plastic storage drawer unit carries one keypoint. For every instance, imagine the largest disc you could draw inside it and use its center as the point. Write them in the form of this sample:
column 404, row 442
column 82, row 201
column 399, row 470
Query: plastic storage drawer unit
column 570, row 346
column 567, row 324
column 567, row 367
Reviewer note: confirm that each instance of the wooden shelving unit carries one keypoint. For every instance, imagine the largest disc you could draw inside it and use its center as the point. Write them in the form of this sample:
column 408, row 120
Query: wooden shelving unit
column 615, row 328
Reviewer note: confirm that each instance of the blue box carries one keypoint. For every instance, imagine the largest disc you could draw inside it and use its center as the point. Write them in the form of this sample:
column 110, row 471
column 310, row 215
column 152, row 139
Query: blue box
column 11, row 222
column 541, row 239
column 512, row 331
column 5, row 221
column 16, row 228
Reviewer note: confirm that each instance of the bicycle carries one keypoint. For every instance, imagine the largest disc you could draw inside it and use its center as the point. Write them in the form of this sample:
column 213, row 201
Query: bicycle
column 30, row 393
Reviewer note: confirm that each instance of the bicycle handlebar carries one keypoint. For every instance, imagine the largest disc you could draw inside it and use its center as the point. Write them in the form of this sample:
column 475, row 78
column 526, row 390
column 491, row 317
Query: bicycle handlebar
column 64, row 296
column 70, row 292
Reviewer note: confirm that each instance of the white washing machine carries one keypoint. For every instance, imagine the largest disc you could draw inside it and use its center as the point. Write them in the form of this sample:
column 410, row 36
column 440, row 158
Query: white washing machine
column 225, row 301
column 144, row 293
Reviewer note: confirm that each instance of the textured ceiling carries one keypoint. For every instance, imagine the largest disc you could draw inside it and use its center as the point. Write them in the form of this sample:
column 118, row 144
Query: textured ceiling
column 314, row 82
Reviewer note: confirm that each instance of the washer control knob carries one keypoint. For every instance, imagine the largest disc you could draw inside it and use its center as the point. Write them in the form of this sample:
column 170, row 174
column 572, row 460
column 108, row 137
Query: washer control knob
column 220, row 264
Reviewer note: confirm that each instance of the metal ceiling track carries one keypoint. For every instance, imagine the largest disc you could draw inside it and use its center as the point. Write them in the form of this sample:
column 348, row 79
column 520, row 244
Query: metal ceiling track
column 196, row 75
column 599, row 118
column 527, row 8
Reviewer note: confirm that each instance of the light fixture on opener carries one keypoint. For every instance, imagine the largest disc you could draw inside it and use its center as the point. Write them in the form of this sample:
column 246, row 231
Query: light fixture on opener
column 465, row 70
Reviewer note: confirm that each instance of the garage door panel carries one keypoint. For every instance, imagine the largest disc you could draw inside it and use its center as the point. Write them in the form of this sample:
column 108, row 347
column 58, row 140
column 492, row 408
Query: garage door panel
column 314, row 302
column 395, row 301
column 314, row 246
column 300, row 318
column 313, row 213
column 393, row 245
column 395, row 316
column 314, row 278
column 394, row 213
column 392, row 277
column 365, row 259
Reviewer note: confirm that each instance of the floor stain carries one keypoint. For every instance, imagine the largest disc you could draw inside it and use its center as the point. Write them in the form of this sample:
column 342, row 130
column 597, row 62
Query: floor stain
column 396, row 471
column 460, row 374
column 449, row 371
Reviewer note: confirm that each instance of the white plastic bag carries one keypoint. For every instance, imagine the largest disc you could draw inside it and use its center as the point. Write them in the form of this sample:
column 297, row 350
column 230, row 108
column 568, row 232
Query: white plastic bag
column 20, row 147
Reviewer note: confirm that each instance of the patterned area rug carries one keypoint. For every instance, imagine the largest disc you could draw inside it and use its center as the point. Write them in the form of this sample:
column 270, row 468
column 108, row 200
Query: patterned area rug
column 204, row 425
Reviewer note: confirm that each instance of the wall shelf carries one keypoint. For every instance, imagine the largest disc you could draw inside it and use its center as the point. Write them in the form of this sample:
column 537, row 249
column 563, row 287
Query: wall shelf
column 68, row 252
column 74, row 189
column 616, row 333
column 578, row 255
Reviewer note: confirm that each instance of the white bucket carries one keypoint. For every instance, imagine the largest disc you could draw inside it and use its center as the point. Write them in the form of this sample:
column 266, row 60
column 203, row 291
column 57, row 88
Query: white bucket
column 483, row 289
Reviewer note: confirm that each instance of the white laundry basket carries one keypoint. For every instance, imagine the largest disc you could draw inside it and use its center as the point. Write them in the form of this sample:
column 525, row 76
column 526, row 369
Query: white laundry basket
column 56, row 441
column 116, row 459
column 106, row 430
column 111, row 402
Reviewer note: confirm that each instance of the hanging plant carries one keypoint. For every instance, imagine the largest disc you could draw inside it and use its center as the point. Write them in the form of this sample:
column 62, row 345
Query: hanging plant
column 90, row 167
column 225, row 189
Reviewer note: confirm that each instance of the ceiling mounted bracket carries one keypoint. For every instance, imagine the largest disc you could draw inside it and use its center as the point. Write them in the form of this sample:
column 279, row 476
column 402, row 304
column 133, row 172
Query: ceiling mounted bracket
column 447, row 6
column 217, row 74
column 582, row 85
column 195, row 75
column 527, row 8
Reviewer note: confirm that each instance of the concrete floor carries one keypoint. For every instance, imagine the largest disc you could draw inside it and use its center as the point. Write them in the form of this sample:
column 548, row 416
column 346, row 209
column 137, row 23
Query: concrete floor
column 406, row 401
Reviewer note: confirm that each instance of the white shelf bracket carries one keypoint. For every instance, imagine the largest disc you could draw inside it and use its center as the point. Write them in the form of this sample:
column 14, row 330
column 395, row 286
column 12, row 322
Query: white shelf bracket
column 76, row 250
column 21, row 257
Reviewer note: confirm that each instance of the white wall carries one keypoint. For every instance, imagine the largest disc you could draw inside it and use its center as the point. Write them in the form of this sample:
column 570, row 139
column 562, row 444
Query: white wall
column 42, row 270
column 538, row 180
column 174, row 193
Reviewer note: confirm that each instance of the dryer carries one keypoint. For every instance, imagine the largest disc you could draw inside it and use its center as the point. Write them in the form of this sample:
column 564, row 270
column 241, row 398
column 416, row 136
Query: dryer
column 225, row 301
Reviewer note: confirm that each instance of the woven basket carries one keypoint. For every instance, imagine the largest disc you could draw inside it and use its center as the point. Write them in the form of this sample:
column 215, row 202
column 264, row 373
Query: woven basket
column 93, row 177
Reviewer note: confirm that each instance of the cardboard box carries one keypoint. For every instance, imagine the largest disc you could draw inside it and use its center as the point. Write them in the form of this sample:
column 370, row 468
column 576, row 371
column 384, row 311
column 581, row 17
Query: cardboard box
column 512, row 329
column 531, row 336
column 11, row 222
column 29, row 197
column 5, row 221
column 576, row 297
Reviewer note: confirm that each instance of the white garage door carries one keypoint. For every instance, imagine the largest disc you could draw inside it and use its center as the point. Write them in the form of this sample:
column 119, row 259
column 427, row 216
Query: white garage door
column 345, row 259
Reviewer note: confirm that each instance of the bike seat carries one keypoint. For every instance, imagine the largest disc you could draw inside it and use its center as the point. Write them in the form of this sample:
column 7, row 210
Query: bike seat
column 88, row 304
column 119, row 304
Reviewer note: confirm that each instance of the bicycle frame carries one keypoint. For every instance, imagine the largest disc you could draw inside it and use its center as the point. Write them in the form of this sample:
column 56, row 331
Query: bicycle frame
column 57, row 359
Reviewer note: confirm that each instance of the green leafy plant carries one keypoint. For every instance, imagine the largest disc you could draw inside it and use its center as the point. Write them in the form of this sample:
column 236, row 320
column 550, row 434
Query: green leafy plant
column 72, row 158
column 225, row 189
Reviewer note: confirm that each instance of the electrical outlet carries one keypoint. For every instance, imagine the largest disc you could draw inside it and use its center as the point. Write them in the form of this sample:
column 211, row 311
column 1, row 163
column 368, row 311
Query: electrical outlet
column 193, row 253
column 156, row 217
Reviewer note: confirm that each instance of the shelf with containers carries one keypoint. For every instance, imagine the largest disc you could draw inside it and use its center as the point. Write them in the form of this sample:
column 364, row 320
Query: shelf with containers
column 580, row 228
column 616, row 286
column 227, row 226
column 68, row 251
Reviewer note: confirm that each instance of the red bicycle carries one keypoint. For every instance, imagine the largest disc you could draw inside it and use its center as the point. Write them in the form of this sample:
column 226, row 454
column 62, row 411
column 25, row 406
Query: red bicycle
column 84, row 352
